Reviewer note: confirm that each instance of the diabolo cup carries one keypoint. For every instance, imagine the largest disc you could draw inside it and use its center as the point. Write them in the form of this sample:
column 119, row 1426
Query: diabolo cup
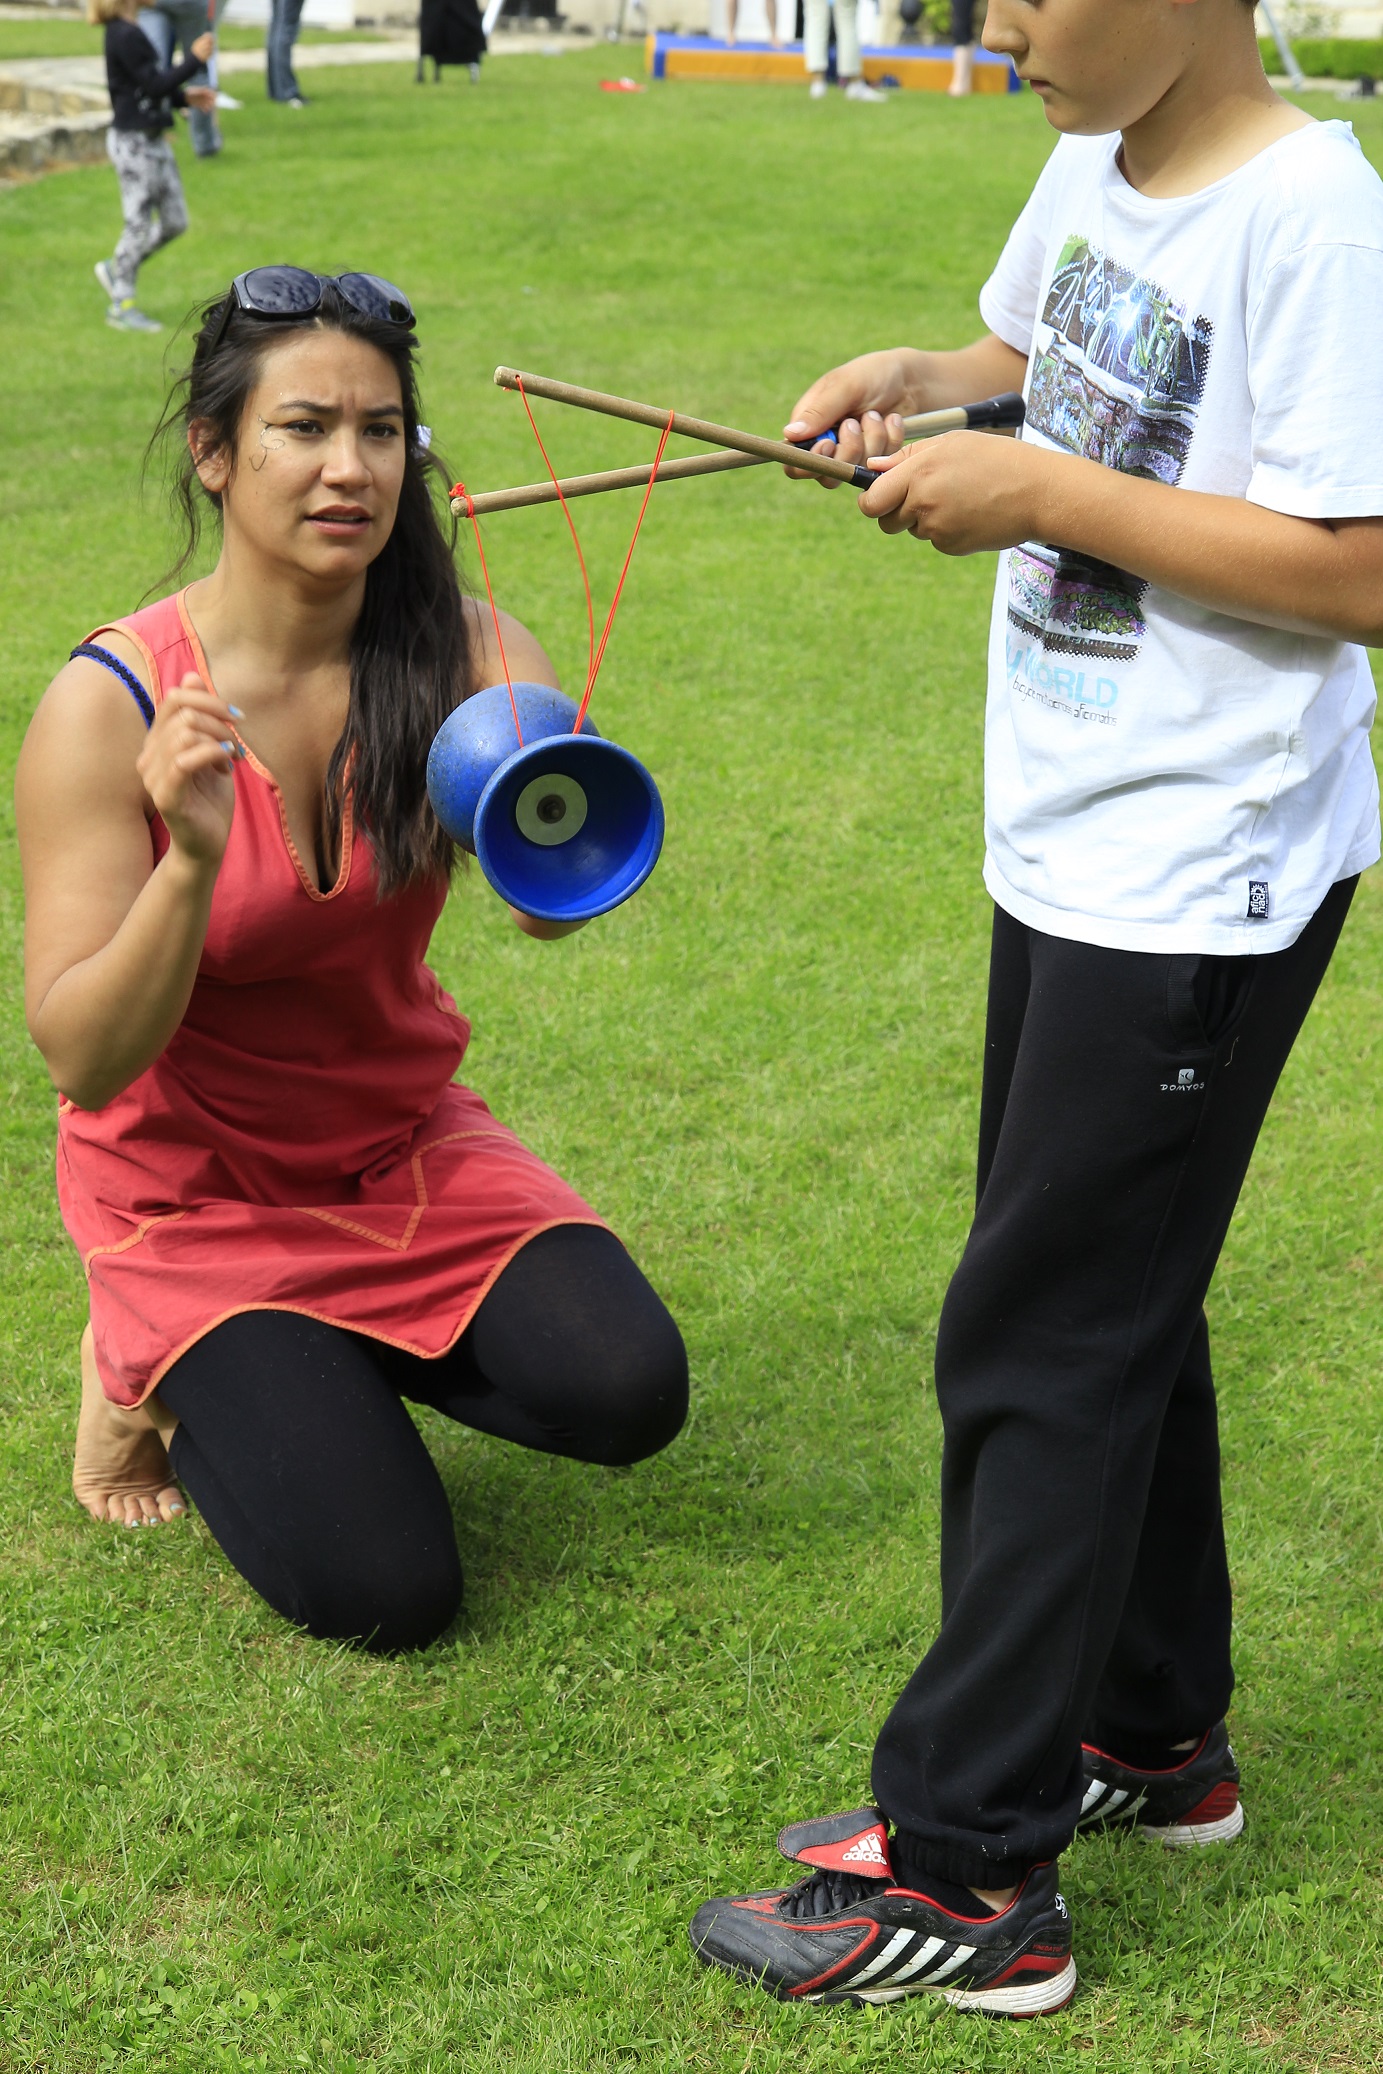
column 564, row 826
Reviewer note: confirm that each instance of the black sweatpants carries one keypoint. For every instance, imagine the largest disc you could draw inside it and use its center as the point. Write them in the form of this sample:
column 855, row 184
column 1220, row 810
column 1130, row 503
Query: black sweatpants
column 1084, row 1582
column 295, row 1444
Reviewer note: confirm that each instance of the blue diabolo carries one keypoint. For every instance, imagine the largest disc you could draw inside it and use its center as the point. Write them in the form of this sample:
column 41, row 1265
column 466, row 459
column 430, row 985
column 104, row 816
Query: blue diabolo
column 564, row 827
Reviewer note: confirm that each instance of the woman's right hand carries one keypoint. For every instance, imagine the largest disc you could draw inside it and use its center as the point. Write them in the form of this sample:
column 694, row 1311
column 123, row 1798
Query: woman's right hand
column 866, row 401
column 187, row 762
column 204, row 47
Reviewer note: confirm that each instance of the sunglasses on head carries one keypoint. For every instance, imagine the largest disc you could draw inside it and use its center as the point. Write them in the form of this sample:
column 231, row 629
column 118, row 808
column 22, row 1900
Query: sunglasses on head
column 291, row 291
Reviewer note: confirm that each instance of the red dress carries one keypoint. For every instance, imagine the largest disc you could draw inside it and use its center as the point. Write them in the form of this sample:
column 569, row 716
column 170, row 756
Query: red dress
column 299, row 1145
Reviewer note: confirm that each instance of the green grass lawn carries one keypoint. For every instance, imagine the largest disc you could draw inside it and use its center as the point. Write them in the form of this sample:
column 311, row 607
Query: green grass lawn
column 226, row 1847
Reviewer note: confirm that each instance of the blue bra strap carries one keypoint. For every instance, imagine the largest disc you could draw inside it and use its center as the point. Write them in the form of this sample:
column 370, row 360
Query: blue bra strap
column 127, row 676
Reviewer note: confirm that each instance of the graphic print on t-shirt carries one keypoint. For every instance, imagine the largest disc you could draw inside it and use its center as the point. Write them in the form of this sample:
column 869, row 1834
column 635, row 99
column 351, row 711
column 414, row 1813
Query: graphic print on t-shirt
column 1119, row 372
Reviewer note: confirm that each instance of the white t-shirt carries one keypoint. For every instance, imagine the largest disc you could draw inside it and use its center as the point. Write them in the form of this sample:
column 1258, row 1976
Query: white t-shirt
column 1159, row 777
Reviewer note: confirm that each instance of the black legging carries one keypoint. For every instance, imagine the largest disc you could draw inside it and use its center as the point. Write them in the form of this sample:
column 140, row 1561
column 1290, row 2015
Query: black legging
column 963, row 21
column 295, row 1444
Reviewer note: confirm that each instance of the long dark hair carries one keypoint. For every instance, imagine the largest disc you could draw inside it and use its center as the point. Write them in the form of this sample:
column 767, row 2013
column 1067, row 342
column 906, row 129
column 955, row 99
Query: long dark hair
column 410, row 657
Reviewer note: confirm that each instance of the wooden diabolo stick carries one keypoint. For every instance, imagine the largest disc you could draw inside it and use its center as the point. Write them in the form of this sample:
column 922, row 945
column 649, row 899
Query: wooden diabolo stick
column 689, row 428
column 591, row 485
column 991, row 414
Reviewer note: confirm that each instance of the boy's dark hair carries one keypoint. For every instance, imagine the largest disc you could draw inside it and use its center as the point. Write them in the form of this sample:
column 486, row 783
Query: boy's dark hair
column 410, row 658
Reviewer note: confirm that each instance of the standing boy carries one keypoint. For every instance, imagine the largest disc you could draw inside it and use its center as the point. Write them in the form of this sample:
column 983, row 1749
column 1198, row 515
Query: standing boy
column 1179, row 798
column 143, row 94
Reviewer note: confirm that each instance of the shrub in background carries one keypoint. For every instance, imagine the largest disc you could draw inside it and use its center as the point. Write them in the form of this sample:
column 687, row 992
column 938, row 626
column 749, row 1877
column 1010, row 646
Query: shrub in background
column 1329, row 57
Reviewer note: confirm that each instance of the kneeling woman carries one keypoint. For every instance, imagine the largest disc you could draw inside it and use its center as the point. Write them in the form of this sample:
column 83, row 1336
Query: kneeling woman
column 291, row 1218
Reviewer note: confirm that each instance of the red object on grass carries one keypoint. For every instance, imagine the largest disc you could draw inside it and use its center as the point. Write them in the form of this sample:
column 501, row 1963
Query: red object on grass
column 622, row 86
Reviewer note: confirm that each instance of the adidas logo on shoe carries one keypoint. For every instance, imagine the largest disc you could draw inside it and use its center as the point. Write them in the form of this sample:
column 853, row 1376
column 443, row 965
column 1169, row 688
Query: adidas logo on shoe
column 868, row 1851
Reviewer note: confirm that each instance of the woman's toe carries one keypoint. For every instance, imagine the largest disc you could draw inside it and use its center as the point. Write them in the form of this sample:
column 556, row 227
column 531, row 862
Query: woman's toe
column 171, row 1503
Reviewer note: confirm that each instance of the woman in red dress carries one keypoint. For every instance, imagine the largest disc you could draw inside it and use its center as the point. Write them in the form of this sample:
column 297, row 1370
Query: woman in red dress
column 290, row 1216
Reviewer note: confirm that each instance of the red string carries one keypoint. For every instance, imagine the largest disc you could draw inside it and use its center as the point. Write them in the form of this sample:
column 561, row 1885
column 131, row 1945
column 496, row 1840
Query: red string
column 596, row 654
column 614, row 602
column 571, row 528
column 461, row 491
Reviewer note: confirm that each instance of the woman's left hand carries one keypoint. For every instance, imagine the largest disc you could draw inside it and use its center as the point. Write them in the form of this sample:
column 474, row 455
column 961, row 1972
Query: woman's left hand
column 964, row 492
column 546, row 932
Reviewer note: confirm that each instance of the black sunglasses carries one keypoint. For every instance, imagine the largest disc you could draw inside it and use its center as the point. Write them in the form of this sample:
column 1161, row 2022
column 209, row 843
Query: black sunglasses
column 291, row 291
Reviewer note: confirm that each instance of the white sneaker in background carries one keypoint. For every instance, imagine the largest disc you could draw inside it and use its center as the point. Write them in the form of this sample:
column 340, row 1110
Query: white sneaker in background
column 818, row 90
column 858, row 91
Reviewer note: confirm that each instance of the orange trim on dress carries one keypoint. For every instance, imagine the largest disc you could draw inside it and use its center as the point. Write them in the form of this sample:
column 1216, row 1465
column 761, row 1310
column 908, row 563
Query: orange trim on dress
column 114, row 626
column 343, row 872
column 124, row 1245
column 386, row 1339
column 402, row 1245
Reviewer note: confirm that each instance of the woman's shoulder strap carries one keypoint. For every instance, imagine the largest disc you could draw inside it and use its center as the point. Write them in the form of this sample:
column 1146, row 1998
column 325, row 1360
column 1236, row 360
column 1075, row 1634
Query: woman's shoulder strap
column 94, row 650
column 159, row 634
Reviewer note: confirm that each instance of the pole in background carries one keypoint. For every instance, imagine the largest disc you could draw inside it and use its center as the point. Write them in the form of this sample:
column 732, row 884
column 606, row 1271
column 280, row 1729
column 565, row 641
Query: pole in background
column 1284, row 48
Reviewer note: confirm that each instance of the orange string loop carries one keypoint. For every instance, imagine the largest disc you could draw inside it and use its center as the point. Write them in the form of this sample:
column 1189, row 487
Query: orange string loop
column 460, row 490
column 596, row 653
column 571, row 528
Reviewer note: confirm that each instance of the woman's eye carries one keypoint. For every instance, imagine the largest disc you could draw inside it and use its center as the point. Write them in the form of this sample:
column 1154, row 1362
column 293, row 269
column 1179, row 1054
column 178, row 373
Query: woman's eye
column 302, row 425
column 384, row 431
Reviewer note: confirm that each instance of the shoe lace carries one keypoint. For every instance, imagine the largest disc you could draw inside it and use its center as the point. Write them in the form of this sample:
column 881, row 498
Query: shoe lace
column 828, row 1894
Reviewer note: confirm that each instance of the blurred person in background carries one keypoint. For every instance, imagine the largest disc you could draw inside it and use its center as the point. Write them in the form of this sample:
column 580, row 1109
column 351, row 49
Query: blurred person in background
column 816, row 15
column 732, row 8
column 278, row 45
column 143, row 95
column 963, row 39
column 170, row 23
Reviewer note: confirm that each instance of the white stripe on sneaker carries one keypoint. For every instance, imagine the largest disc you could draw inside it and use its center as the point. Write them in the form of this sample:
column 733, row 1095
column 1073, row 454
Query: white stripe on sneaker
column 958, row 1957
column 930, row 1947
column 881, row 1959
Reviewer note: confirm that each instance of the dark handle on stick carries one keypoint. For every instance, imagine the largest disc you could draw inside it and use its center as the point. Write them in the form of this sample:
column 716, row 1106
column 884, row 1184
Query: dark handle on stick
column 997, row 413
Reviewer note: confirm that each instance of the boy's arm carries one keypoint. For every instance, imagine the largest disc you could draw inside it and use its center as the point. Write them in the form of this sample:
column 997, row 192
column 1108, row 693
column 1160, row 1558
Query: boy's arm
column 868, row 398
column 968, row 491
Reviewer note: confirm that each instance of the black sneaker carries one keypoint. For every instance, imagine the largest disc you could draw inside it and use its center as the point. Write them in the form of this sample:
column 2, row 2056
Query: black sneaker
column 843, row 1936
column 1194, row 1802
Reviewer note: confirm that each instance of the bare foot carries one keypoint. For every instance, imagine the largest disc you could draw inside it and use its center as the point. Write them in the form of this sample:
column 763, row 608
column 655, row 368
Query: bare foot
column 120, row 1471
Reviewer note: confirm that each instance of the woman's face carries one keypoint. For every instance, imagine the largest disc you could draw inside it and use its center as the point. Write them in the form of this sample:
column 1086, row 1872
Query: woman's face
column 318, row 467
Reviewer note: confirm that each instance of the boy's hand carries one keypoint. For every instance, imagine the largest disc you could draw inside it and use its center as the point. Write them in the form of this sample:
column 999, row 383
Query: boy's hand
column 203, row 97
column 964, row 492
column 204, row 47
column 865, row 399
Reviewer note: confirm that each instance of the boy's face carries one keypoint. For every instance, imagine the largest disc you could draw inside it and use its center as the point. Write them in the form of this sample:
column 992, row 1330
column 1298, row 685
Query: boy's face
column 1100, row 65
